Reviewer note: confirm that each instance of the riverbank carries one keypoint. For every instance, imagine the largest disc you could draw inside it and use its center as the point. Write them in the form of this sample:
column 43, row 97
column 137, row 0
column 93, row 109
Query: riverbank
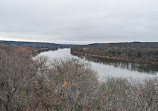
column 115, row 58
column 146, row 52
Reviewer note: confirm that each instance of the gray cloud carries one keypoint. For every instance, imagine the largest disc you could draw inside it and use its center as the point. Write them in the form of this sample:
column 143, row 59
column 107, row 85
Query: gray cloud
column 79, row 21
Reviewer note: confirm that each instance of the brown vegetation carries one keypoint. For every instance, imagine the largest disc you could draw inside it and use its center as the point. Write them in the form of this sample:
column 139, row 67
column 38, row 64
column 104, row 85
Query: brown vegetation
column 66, row 85
column 137, row 52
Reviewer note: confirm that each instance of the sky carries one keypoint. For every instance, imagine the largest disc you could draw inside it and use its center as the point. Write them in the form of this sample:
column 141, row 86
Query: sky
column 79, row 21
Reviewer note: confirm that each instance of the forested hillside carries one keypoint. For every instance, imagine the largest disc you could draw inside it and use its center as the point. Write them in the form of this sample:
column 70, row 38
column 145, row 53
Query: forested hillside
column 134, row 51
column 38, row 46
column 67, row 85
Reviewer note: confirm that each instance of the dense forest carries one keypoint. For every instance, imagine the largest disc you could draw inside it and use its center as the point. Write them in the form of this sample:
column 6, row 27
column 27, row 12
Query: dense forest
column 146, row 52
column 66, row 85
column 38, row 46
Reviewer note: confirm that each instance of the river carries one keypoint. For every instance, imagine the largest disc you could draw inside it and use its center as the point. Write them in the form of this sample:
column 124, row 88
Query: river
column 108, row 68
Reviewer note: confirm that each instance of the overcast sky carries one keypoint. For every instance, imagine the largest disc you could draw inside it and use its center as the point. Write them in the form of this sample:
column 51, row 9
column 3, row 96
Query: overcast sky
column 79, row 21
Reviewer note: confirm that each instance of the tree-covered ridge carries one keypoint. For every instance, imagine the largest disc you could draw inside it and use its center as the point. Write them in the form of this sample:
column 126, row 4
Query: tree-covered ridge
column 38, row 46
column 66, row 85
column 140, row 52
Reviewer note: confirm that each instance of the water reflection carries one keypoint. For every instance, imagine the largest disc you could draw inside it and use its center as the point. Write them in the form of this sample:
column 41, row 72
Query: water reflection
column 133, row 66
column 107, row 67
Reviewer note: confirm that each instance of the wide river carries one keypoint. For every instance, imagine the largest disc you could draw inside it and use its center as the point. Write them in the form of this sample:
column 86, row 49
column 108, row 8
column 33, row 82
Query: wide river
column 106, row 68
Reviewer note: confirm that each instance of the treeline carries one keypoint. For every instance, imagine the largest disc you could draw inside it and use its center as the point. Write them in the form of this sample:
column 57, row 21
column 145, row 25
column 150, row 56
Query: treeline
column 133, row 66
column 66, row 85
column 139, row 52
column 38, row 46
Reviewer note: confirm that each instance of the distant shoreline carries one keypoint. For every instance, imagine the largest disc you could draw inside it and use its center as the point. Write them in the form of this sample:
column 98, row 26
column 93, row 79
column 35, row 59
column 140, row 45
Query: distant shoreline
column 115, row 58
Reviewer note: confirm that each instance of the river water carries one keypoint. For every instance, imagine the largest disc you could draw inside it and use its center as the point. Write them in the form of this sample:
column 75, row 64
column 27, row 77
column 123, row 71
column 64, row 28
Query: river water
column 108, row 68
